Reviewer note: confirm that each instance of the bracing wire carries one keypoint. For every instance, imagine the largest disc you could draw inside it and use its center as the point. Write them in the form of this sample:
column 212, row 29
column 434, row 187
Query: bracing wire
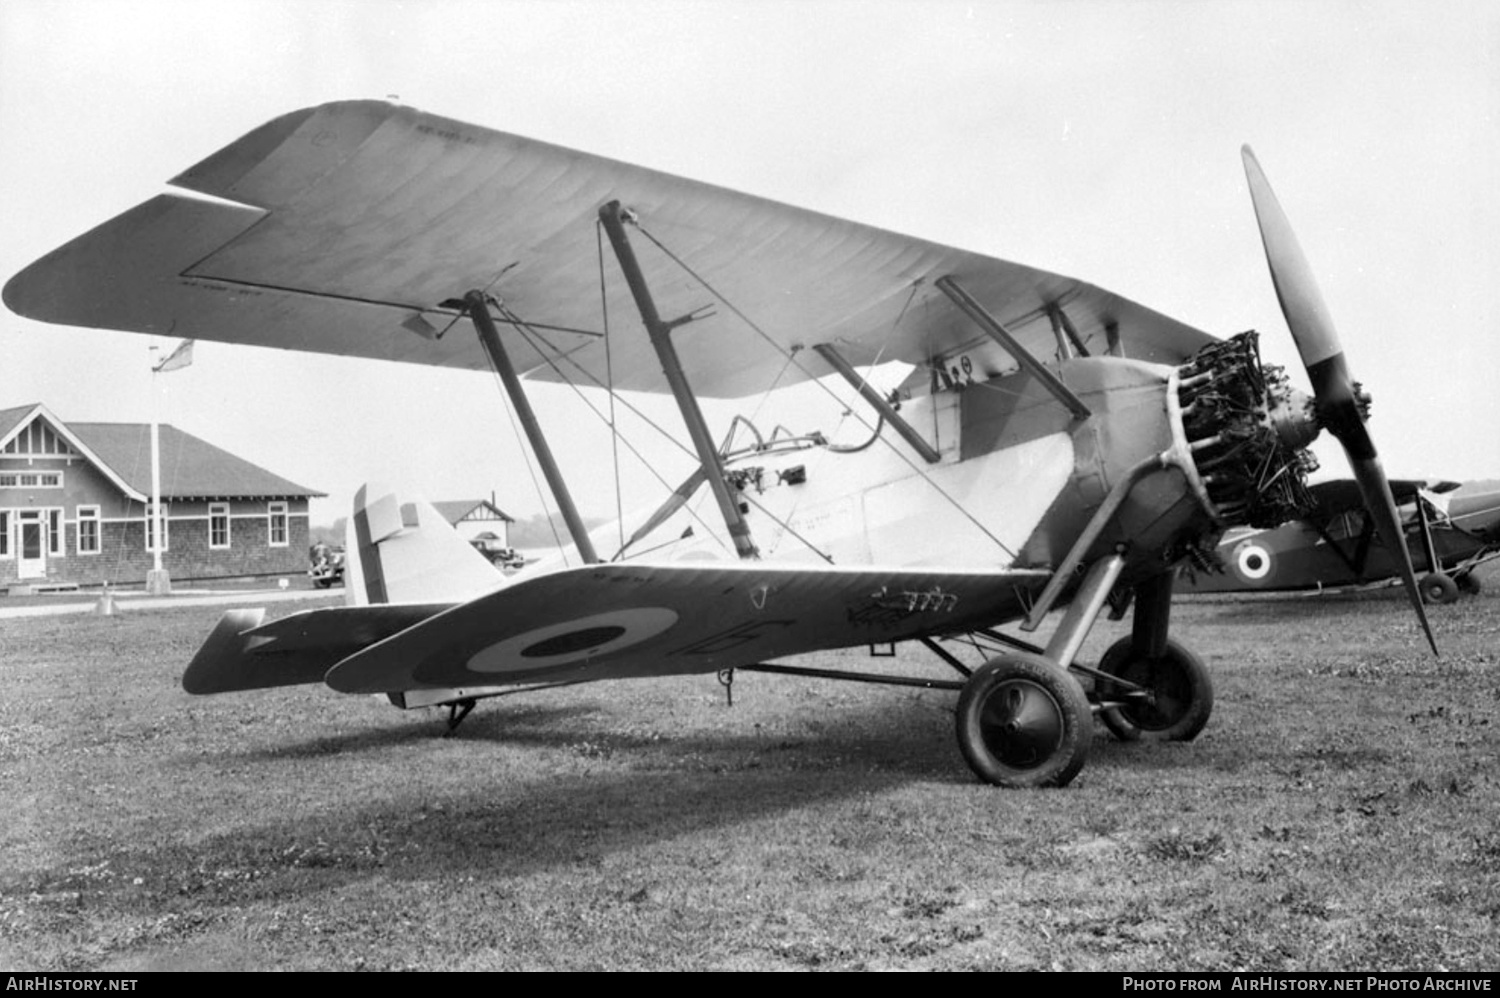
column 527, row 333
column 919, row 470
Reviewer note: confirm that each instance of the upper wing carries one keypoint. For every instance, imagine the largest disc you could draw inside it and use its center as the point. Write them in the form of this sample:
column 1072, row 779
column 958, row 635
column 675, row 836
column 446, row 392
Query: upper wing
column 342, row 229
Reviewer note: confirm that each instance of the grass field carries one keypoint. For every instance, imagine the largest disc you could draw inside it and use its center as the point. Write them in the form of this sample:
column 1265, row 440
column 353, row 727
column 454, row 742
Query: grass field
column 1339, row 812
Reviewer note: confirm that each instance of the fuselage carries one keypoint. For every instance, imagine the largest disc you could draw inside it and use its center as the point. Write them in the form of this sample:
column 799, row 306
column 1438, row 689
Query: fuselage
column 1017, row 480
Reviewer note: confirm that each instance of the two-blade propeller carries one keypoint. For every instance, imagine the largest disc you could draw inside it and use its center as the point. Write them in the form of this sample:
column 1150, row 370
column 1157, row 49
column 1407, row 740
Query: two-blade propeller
column 1339, row 406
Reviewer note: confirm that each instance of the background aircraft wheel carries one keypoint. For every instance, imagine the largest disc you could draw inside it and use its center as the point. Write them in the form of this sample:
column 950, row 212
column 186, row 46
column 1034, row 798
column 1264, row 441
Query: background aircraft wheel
column 1439, row 588
column 1023, row 722
column 1183, row 693
column 1468, row 582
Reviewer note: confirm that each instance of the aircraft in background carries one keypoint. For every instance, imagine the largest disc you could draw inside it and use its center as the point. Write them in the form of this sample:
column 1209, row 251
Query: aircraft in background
column 1450, row 529
column 1055, row 445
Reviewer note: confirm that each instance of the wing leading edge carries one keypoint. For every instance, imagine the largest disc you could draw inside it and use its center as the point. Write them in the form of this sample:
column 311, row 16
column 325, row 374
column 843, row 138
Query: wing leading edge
column 343, row 228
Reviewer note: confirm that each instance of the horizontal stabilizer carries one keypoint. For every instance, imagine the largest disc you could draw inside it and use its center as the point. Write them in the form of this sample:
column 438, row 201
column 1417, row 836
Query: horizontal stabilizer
column 244, row 654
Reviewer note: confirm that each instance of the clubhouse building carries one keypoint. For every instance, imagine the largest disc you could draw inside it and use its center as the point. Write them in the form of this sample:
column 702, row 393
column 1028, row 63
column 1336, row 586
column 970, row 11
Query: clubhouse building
column 75, row 504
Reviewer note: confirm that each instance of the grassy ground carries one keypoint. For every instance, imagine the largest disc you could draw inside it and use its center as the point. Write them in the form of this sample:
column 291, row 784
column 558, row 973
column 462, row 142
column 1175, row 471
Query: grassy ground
column 1338, row 813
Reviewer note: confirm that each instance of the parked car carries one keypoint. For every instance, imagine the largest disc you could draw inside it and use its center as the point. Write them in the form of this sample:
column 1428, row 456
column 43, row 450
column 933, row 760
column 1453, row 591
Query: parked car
column 493, row 548
column 327, row 566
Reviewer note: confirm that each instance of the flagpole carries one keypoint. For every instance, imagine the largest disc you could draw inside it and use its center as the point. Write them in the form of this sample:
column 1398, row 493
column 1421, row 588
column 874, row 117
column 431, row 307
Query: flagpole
column 158, row 581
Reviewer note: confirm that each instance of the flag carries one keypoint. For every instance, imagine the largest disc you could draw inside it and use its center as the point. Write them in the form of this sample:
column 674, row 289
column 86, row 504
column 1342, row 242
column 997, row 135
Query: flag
column 180, row 357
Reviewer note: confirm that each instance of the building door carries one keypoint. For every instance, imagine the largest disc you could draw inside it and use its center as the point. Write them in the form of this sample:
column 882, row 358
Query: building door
column 32, row 546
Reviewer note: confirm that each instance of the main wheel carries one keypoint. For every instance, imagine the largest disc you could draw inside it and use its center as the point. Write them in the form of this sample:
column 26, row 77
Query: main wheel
column 1023, row 722
column 1469, row 583
column 1179, row 695
column 1438, row 588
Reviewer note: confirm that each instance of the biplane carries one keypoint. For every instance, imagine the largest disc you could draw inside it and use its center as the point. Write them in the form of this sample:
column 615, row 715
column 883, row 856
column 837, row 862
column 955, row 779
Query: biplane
column 1054, row 446
column 1450, row 529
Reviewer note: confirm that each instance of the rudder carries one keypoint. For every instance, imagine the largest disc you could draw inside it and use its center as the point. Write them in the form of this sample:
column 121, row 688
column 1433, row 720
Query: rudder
column 399, row 552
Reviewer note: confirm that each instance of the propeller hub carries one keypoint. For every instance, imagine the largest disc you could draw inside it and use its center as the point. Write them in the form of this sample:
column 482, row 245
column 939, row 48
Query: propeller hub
column 1293, row 415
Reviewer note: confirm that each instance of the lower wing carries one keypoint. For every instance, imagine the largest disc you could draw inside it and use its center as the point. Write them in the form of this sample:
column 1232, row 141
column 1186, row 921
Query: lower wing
column 607, row 621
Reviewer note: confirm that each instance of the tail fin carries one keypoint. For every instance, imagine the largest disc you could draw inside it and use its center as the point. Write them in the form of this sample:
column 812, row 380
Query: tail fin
column 407, row 553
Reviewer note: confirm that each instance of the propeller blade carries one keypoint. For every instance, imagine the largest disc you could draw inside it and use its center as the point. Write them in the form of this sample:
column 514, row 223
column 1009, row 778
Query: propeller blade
column 1338, row 402
column 1376, row 492
column 1296, row 287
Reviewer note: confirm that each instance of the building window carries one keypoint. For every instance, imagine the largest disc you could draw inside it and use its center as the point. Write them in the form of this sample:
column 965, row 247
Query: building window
column 218, row 524
column 55, row 532
column 88, row 529
column 278, row 532
column 31, row 480
column 5, row 533
column 166, row 528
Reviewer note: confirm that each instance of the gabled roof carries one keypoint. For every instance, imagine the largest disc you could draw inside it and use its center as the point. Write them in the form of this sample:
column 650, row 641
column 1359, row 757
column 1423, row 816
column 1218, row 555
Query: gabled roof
column 11, row 419
column 14, row 421
column 190, row 467
column 455, row 510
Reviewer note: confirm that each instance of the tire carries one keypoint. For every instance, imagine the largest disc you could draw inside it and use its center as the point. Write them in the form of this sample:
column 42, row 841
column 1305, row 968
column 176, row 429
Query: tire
column 1469, row 583
column 1182, row 694
column 1024, row 722
column 1438, row 588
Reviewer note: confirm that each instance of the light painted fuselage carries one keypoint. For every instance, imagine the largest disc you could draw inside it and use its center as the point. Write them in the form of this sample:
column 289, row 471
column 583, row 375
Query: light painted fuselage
column 1017, row 480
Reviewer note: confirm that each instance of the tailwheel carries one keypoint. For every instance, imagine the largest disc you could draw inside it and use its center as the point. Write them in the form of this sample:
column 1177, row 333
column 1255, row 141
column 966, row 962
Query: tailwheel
column 1439, row 588
column 1024, row 722
column 1168, row 698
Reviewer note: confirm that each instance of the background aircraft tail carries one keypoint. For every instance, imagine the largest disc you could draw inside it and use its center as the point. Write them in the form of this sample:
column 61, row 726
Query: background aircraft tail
column 405, row 552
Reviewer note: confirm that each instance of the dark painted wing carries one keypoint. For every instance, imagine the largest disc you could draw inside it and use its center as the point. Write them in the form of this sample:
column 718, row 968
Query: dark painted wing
column 616, row 621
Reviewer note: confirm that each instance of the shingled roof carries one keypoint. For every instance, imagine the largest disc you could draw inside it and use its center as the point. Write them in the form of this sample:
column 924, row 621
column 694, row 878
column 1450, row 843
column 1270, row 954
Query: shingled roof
column 11, row 418
column 191, row 468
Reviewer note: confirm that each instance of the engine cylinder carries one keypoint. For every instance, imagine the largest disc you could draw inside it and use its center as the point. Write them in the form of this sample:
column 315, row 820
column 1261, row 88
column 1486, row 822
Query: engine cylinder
column 1246, row 427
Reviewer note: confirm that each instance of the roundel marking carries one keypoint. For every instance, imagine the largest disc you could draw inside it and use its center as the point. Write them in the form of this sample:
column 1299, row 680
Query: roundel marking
column 573, row 641
column 1253, row 561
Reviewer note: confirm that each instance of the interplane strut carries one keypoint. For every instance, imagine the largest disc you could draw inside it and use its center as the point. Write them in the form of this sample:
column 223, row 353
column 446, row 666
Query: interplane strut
column 660, row 331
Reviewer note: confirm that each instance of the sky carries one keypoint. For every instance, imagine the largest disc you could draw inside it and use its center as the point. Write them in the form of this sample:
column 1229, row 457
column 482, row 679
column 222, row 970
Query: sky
column 1095, row 139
